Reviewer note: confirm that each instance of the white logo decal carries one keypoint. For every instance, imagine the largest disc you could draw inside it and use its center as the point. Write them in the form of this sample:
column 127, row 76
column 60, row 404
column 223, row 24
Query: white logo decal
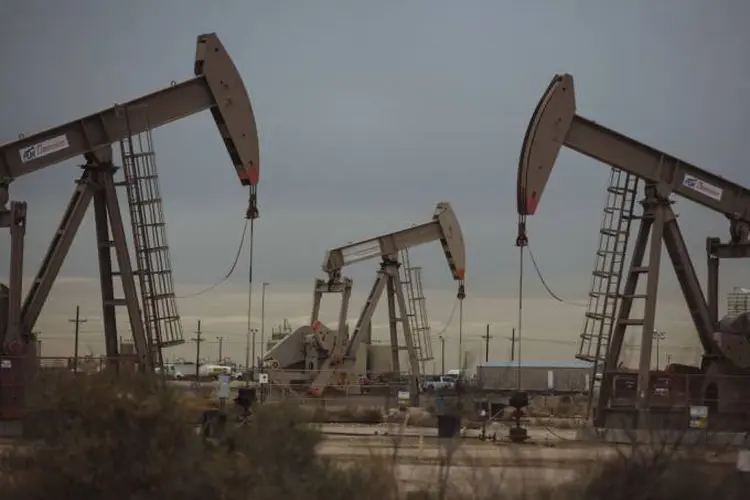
column 44, row 148
column 703, row 187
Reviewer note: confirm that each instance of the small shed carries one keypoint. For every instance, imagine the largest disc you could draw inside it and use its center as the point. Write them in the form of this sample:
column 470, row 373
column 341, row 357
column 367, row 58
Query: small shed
column 558, row 377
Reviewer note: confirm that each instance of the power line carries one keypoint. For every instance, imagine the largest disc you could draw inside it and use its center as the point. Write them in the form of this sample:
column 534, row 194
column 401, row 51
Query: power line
column 237, row 339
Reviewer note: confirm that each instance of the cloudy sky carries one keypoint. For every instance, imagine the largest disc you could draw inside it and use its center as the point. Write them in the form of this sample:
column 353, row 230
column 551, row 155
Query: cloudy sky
column 370, row 113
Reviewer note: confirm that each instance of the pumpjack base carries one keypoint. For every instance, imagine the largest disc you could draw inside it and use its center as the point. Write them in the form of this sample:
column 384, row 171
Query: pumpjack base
column 518, row 435
column 518, row 401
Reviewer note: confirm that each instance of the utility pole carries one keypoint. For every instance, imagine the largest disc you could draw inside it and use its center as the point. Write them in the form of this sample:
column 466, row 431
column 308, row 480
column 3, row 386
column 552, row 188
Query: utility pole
column 442, row 355
column 513, row 345
column 659, row 335
column 487, row 345
column 198, row 339
column 254, row 332
column 37, row 336
column 221, row 345
column 78, row 322
column 263, row 318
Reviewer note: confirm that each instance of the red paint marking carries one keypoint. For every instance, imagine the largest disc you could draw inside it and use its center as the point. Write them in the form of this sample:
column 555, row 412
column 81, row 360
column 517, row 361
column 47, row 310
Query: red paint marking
column 250, row 176
column 531, row 204
column 314, row 391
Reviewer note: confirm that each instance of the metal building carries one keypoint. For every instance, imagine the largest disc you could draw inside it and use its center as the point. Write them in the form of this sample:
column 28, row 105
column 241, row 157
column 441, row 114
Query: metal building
column 536, row 376
column 738, row 301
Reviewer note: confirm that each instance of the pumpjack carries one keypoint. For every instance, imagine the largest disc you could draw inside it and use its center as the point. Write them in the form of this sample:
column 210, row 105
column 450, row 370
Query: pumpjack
column 324, row 357
column 722, row 382
column 217, row 86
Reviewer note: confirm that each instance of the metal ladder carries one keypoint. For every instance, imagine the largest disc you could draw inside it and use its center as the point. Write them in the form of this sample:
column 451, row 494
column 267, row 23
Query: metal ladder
column 153, row 264
column 610, row 260
column 416, row 305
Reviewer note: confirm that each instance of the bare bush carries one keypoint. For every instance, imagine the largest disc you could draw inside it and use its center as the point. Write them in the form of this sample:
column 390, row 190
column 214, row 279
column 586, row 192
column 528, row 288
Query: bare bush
column 341, row 414
column 656, row 476
column 100, row 437
column 97, row 438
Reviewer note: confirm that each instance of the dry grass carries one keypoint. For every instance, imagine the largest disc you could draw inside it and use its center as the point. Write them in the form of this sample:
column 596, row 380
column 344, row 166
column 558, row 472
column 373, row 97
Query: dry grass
column 656, row 476
column 558, row 407
column 347, row 414
column 97, row 437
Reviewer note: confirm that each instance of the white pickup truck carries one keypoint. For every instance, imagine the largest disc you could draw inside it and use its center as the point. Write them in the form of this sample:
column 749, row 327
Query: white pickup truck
column 438, row 382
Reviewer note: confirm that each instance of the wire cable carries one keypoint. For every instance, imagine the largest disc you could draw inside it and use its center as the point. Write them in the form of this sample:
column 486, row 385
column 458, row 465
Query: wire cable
column 450, row 319
column 227, row 275
column 546, row 286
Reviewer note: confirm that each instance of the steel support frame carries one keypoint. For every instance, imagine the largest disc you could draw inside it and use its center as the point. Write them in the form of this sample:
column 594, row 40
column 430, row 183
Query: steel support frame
column 15, row 220
column 388, row 280
column 339, row 285
column 715, row 251
column 95, row 184
column 393, row 326
column 658, row 224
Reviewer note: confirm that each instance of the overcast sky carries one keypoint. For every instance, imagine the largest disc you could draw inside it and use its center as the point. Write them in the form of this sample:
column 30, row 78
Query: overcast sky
column 369, row 113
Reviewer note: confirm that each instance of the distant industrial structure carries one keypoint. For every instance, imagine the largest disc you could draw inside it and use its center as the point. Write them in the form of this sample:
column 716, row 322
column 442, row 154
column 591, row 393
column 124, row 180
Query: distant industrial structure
column 555, row 377
column 738, row 301
column 278, row 333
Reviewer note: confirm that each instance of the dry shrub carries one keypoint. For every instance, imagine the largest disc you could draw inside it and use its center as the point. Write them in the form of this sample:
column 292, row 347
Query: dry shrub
column 358, row 414
column 100, row 437
column 413, row 417
column 555, row 423
column 647, row 476
column 657, row 476
column 558, row 406
column 343, row 414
